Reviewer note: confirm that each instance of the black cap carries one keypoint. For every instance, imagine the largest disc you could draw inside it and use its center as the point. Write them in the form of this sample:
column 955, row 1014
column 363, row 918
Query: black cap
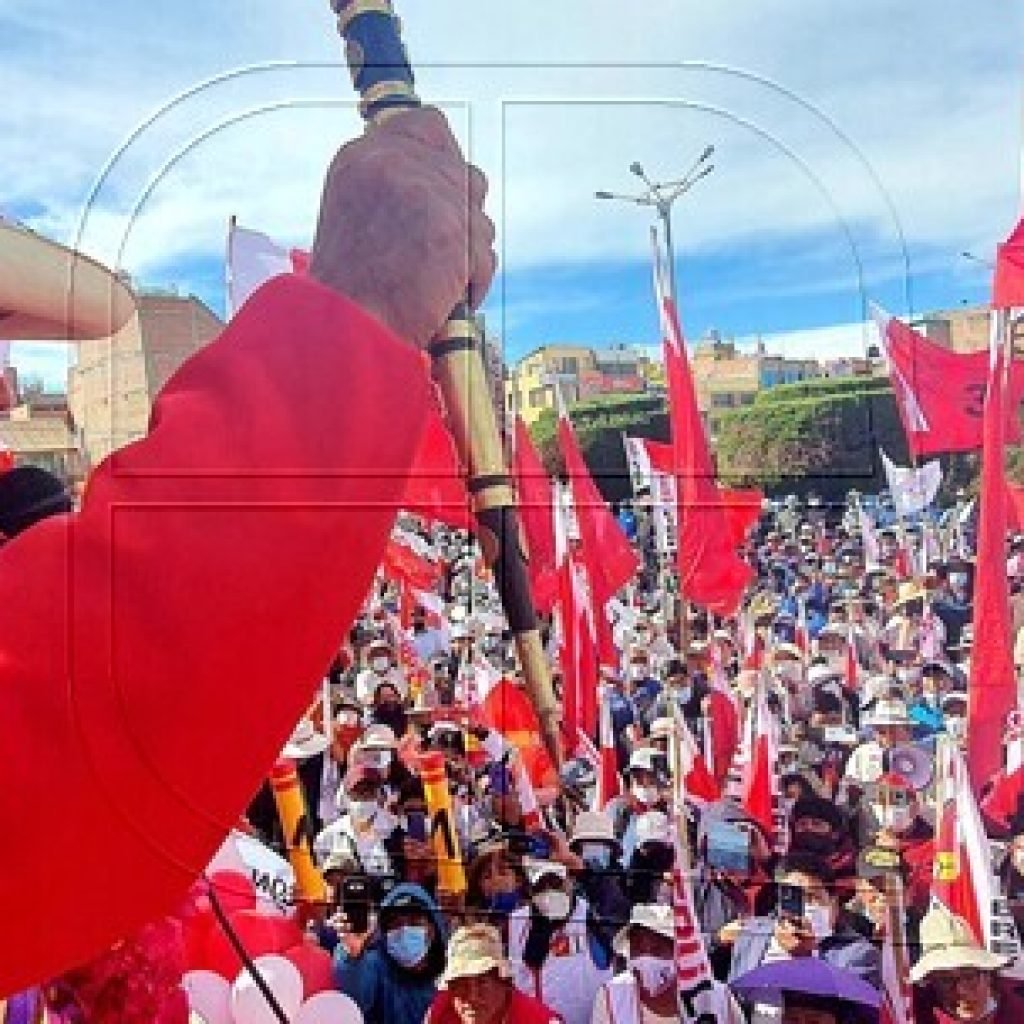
column 27, row 495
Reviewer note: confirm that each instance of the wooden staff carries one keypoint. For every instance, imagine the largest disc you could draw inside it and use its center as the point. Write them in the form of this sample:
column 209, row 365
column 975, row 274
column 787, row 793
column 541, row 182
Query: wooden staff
column 384, row 80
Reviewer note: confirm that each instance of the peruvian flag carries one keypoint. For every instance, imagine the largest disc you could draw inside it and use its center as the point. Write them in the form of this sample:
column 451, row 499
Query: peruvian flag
column 751, row 642
column 536, row 511
column 697, row 778
column 407, row 560
column 758, row 782
column 608, row 781
column 606, row 553
column 993, row 687
column 711, row 573
column 802, row 634
column 939, row 393
column 253, row 259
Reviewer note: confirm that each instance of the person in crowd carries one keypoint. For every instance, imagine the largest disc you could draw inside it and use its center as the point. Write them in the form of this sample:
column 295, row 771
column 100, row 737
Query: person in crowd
column 645, row 792
column 890, row 727
column 476, row 986
column 361, row 833
column 392, row 969
column 958, row 981
column 808, row 921
column 381, row 666
column 556, row 953
column 600, row 878
column 646, row 991
column 819, row 828
column 650, row 862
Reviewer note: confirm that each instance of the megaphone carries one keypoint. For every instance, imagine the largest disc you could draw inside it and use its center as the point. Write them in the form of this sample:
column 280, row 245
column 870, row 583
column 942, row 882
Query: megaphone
column 917, row 766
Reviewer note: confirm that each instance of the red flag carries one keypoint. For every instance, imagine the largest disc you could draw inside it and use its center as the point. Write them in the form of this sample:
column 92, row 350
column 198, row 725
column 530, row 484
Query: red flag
column 697, row 778
column 723, row 720
column 1014, row 507
column 536, row 504
column 1008, row 286
column 710, row 571
column 436, row 488
column 405, row 564
column 940, row 394
column 606, row 552
column 508, row 710
column 757, row 783
column 852, row 673
column 993, row 688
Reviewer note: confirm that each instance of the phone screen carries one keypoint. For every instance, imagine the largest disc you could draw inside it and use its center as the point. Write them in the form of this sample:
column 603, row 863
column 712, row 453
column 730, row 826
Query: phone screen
column 355, row 903
column 728, row 847
column 791, row 902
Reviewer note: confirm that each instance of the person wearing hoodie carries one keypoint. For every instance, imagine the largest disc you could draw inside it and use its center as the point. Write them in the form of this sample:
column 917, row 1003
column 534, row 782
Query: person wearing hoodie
column 391, row 971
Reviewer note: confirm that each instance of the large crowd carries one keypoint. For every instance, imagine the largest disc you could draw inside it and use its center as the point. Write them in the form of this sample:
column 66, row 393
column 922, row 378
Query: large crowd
column 568, row 908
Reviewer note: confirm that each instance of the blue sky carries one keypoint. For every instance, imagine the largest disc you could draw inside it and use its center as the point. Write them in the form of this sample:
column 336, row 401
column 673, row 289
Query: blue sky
column 826, row 119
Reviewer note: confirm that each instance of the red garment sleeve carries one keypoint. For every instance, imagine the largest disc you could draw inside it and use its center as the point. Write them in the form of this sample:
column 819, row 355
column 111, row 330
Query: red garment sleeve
column 157, row 648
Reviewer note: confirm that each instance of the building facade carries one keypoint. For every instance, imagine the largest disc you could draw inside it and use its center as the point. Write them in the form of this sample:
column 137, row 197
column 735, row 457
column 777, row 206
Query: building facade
column 962, row 330
column 580, row 373
column 112, row 386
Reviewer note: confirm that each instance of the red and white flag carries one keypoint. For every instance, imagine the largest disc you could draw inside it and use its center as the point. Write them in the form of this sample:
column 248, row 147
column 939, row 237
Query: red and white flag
column 852, row 673
column 939, row 393
column 608, row 780
column 758, row 783
column 253, row 259
column 963, row 879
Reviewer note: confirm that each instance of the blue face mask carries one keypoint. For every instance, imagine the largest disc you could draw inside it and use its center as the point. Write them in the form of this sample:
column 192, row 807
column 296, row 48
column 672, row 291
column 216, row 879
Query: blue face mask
column 503, row 902
column 407, row 944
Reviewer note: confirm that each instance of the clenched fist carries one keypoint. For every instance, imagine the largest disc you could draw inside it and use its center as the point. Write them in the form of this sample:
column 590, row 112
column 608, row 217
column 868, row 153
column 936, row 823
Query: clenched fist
column 402, row 230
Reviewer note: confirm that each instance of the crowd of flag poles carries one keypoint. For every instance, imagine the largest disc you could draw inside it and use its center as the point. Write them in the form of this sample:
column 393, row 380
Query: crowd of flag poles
column 948, row 402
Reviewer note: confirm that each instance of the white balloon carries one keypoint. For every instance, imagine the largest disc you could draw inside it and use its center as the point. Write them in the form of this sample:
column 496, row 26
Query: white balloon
column 329, row 1008
column 248, row 1006
column 209, row 995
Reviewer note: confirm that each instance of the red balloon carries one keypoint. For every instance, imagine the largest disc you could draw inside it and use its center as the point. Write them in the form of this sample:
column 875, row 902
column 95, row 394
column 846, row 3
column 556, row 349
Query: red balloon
column 257, row 933
column 195, row 936
column 314, row 965
column 234, row 891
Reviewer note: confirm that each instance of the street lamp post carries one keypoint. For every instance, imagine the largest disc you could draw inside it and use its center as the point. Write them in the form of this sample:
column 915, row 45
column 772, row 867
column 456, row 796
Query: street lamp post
column 660, row 197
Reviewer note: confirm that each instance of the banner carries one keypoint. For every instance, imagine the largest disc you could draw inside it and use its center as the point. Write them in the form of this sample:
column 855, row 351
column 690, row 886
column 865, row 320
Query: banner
column 913, row 490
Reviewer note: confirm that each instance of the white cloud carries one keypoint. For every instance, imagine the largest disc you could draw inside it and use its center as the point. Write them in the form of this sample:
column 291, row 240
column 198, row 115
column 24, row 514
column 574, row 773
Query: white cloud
column 930, row 92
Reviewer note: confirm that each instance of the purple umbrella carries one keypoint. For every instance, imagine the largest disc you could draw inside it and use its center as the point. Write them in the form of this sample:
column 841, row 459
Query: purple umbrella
column 809, row 975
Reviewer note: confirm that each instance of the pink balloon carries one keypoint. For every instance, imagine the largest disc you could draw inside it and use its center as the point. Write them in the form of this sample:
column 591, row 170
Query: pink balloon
column 329, row 1008
column 314, row 965
column 209, row 995
column 248, row 1005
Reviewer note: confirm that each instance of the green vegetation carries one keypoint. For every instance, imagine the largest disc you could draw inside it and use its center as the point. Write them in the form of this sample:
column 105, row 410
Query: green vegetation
column 819, row 436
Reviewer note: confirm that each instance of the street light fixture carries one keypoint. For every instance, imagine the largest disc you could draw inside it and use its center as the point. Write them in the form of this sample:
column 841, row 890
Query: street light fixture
column 661, row 196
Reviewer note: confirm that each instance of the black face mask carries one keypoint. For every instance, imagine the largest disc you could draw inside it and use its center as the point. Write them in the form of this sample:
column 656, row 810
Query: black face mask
column 812, row 842
column 391, row 715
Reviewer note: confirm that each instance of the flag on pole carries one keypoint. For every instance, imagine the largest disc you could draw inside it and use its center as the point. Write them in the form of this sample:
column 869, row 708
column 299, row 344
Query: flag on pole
column 711, row 573
column 253, row 259
column 939, row 393
column 992, row 693
column 606, row 553
column 1008, row 286
column 608, row 780
column 963, row 880
column 536, row 513
column 913, row 490
column 758, row 788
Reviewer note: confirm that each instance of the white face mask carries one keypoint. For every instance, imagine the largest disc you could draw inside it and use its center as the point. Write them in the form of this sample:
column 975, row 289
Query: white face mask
column 380, row 665
column 893, row 819
column 645, row 794
column 654, row 974
column 362, row 812
column 554, row 904
column 638, row 672
column 820, row 920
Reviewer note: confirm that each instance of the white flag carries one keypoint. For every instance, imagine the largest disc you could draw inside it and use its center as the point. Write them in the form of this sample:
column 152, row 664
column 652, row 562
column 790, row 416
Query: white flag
column 913, row 490
column 253, row 259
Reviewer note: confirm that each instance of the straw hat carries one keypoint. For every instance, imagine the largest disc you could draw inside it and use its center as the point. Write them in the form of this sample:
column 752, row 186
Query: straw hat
column 949, row 944
column 473, row 950
column 49, row 292
column 910, row 590
column 653, row 917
